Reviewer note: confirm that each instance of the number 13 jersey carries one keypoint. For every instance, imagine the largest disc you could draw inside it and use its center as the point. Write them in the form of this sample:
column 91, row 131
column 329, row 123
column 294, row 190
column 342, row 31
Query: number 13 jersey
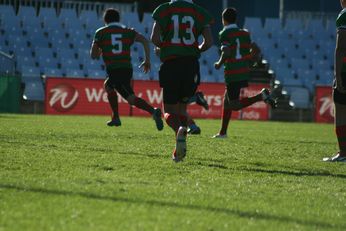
column 181, row 22
column 115, row 41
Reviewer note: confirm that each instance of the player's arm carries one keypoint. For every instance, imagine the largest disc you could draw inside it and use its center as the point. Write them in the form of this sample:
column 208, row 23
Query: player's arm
column 340, row 53
column 155, row 35
column 225, row 51
column 207, row 39
column 255, row 53
column 95, row 51
column 146, row 63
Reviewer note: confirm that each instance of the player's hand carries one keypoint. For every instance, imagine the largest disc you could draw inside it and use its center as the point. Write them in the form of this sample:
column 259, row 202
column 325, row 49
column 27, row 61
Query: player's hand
column 157, row 51
column 146, row 66
column 217, row 65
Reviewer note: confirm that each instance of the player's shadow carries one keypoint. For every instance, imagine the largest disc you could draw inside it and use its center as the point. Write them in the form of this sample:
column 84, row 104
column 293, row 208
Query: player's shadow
column 227, row 211
column 264, row 169
column 294, row 173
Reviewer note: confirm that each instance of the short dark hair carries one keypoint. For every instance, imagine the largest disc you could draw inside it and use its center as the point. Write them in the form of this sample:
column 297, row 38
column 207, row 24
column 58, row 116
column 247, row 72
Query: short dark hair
column 111, row 15
column 229, row 15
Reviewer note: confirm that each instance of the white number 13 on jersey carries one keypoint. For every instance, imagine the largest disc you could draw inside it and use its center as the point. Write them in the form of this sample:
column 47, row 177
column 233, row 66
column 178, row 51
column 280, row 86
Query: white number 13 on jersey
column 176, row 27
column 117, row 44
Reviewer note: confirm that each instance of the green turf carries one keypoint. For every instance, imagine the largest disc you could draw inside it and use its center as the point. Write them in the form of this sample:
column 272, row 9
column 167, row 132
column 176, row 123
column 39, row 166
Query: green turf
column 75, row 173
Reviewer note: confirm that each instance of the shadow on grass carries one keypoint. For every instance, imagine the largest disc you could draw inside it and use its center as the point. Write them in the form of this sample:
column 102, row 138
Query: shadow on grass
column 296, row 172
column 227, row 211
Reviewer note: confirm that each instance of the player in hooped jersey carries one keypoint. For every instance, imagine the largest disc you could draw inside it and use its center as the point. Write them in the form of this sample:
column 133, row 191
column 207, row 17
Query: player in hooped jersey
column 339, row 86
column 113, row 43
column 237, row 55
column 176, row 29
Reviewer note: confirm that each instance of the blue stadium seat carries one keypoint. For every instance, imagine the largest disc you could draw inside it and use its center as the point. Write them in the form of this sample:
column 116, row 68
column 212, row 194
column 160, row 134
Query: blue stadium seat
column 293, row 82
column 34, row 90
column 88, row 16
column 295, row 54
column 15, row 42
column 83, row 53
column 64, row 53
column 52, row 72
column 278, row 64
column 325, row 78
column 272, row 24
column 284, row 74
column 96, row 74
column 26, row 13
column 74, row 73
column 302, row 64
column 47, row 62
column 44, row 53
column 7, row 11
column 259, row 36
column 308, row 44
column 300, row 97
column 62, row 43
column 92, row 27
column 11, row 26
column 74, row 34
column 319, row 64
column 92, row 64
column 67, row 15
column 130, row 19
column 36, row 42
column 23, row 51
column 53, row 25
column 30, row 72
column 286, row 44
column 293, row 24
column 309, row 79
column 69, row 63
column 81, row 44
column 302, row 34
column 73, row 25
column 31, row 22
column 33, row 31
column 25, row 61
column 46, row 14
column 253, row 23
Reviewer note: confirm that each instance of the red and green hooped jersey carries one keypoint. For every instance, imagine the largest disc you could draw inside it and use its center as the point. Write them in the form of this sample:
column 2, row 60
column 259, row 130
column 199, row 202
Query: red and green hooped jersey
column 115, row 41
column 341, row 25
column 237, row 63
column 181, row 22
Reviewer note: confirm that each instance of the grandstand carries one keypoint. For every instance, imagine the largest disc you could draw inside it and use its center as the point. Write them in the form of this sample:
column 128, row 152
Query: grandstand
column 53, row 40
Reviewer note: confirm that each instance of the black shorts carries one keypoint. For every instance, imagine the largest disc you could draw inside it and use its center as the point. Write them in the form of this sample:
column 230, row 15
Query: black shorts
column 338, row 97
column 179, row 79
column 120, row 80
column 233, row 90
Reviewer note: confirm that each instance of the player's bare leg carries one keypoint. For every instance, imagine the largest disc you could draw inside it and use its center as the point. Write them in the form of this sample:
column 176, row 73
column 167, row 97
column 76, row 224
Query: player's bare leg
column 176, row 118
column 340, row 130
column 142, row 104
column 236, row 105
column 113, row 102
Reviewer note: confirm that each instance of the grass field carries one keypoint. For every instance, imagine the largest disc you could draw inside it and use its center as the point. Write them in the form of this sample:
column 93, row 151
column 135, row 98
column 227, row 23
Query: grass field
column 75, row 173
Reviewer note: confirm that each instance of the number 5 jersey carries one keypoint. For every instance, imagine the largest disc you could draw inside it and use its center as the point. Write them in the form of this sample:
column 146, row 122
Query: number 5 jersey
column 115, row 41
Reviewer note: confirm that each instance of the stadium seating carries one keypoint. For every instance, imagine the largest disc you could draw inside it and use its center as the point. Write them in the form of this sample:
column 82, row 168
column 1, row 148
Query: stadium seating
column 50, row 42
column 33, row 90
column 300, row 97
